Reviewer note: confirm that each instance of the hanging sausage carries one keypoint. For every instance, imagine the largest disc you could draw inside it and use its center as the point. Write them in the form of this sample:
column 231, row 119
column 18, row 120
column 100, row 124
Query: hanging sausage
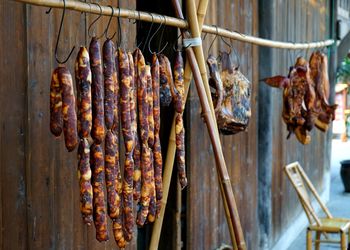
column 144, row 75
column 153, row 204
column 157, row 151
column 98, row 129
column 125, row 66
column 56, row 118
column 98, row 179
column 134, row 117
column 84, row 175
column 83, row 86
column 166, row 79
column 178, row 91
column 68, row 108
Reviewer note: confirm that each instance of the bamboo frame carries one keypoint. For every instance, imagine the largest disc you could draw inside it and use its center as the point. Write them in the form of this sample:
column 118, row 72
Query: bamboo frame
column 209, row 118
column 195, row 28
column 170, row 157
column 175, row 22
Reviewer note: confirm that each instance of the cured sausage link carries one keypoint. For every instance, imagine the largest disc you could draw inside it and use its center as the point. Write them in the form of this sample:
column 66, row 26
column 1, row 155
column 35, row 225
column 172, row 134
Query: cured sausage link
column 166, row 80
column 137, row 149
column 178, row 95
column 109, row 78
column 68, row 108
column 125, row 67
column 111, row 148
column 98, row 178
column 157, row 150
column 83, row 86
column 84, row 175
column 98, row 129
column 56, row 119
column 144, row 79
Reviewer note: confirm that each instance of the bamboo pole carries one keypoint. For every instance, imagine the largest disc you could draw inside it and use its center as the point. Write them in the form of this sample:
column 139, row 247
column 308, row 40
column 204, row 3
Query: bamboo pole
column 198, row 50
column 170, row 157
column 175, row 22
column 178, row 214
column 214, row 137
column 195, row 28
column 219, row 157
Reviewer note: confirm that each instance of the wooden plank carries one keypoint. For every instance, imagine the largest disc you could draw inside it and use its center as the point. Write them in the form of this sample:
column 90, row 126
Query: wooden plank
column 13, row 203
column 304, row 22
column 240, row 150
column 55, row 218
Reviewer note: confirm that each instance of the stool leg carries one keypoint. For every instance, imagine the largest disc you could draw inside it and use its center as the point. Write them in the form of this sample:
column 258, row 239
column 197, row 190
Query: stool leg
column 317, row 243
column 309, row 239
column 343, row 240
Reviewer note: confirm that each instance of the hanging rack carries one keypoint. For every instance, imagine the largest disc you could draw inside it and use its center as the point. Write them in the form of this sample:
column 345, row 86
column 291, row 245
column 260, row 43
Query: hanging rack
column 175, row 22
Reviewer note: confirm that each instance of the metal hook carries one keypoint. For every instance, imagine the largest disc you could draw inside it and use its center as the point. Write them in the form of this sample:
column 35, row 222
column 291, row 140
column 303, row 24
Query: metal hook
column 149, row 32
column 225, row 42
column 149, row 41
column 109, row 22
column 58, row 37
column 137, row 28
column 135, row 16
column 119, row 29
column 242, row 35
column 216, row 35
column 205, row 36
column 175, row 44
column 182, row 47
column 238, row 58
column 161, row 37
column 299, row 53
column 48, row 11
column 95, row 21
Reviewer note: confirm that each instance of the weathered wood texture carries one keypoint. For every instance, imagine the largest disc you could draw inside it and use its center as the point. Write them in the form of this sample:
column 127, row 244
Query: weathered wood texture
column 295, row 21
column 39, row 192
column 39, row 189
column 206, row 224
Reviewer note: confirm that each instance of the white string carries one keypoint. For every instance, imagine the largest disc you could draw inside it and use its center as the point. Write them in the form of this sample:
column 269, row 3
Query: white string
column 192, row 42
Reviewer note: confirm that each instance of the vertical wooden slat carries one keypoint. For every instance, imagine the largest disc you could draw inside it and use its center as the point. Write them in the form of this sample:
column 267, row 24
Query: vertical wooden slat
column 13, row 234
column 239, row 150
column 299, row 21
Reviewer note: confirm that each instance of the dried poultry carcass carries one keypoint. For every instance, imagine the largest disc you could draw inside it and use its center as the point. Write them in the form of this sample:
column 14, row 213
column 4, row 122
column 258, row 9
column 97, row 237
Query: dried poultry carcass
column 319, row 76
column 298, row 99
column 232, row 97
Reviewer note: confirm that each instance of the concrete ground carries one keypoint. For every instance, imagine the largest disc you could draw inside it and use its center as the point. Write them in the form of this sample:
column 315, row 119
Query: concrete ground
column 339, row 202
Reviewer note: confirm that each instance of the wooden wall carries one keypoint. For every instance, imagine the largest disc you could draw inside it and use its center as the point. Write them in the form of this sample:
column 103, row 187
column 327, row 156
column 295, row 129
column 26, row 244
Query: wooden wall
column 206, row 223
column 39, row 195
column 39, row 189
column 298, row 20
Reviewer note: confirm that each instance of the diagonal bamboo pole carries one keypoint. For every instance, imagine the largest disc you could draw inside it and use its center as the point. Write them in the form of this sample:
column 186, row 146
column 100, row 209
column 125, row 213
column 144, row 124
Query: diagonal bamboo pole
column 170, row 157
column 209, row 117
column 196, row 28
column 201, row 13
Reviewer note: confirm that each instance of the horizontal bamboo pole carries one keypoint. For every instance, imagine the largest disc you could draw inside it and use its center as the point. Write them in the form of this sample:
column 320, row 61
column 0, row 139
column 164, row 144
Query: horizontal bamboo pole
column 175, row 22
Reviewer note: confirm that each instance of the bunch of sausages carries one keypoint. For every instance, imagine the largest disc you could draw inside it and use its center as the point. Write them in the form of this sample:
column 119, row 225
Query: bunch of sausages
column 118, row 94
